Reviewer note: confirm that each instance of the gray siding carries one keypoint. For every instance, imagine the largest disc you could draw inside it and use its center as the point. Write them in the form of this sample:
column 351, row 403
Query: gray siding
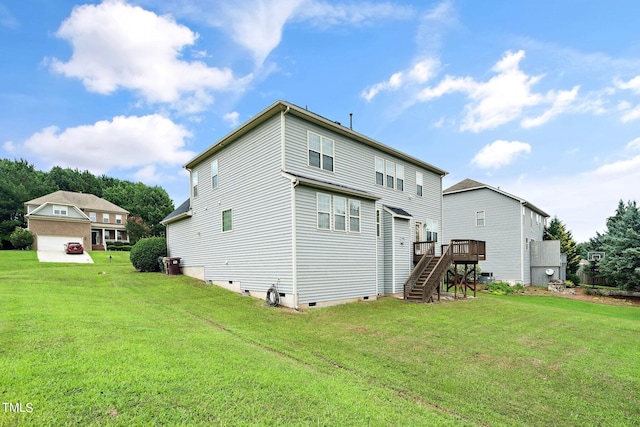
column 71, row 212
column 501, row 230
column 333, row 265
column 354, row 166
column 258, row 251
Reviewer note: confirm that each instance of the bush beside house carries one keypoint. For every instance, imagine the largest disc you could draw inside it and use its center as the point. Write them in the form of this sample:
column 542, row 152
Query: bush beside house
column 144, row 254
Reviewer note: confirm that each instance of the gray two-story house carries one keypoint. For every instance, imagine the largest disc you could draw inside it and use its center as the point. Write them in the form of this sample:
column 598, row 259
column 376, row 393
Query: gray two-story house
column 508, row 224
column 294, row 199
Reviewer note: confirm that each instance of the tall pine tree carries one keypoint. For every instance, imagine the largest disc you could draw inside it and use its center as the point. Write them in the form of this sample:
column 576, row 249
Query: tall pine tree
column 556, row 230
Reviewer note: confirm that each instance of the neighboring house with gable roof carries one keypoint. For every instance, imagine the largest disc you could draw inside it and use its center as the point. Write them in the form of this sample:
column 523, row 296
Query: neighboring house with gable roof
column 64, row 216
column 512, row 227
column 294, row 199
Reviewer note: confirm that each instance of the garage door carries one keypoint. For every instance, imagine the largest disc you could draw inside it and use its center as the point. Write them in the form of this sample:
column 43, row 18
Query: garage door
column 55, row 243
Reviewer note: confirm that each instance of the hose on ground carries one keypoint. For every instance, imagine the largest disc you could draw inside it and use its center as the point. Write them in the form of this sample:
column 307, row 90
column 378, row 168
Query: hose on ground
column 273, row 297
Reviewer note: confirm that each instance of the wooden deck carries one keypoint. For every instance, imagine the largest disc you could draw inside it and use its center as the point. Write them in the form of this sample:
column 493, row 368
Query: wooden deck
column 463, row 251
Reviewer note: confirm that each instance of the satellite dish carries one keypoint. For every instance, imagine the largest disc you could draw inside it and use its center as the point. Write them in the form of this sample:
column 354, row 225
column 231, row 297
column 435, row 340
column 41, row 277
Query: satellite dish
column 549, row 271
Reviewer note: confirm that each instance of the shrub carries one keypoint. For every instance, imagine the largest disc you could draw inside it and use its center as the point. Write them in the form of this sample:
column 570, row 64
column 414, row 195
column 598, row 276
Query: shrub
column 503, row 288
column 144, row 254
column 21, row 238
column 593, row 291
column 574, row 278
column 569, row 284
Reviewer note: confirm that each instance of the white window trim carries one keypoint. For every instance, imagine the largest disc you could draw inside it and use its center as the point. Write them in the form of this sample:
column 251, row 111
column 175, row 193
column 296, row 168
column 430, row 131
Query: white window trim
column 107, row 217
column 419, row 183
column 399, row 169
column 93, row 216
column 359, row 216
column 62, row 210
column 318, row 211
column 194, row 184
column 376, row 161
column 118, row 219
column 215, row 184
column 484, row 218
column 389, row 165
column 336, row 214
column 322, row 154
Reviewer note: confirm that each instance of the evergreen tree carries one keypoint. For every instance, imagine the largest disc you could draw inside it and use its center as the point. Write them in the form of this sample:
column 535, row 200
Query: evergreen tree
column 556, row 230
column 621, row 245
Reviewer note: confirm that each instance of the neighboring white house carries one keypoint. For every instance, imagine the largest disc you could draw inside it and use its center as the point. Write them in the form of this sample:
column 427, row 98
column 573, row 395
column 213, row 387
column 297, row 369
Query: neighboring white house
column 294, row 199
column 507, row 223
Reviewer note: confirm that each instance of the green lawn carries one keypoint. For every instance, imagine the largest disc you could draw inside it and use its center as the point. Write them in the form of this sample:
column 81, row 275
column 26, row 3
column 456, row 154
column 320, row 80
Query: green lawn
column 104, row 345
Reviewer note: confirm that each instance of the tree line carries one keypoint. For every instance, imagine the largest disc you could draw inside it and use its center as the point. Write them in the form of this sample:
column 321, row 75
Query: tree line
column 20, row 182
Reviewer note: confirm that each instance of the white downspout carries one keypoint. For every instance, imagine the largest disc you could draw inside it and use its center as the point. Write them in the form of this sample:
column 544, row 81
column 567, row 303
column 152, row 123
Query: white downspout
column 522, row 212
column 294, row 184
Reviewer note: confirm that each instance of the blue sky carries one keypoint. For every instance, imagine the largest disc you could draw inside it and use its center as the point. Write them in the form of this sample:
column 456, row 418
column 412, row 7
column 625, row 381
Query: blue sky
column 541, row 99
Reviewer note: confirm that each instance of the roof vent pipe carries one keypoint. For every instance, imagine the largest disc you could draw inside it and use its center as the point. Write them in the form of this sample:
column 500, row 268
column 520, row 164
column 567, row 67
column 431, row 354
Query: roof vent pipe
column 351, row 121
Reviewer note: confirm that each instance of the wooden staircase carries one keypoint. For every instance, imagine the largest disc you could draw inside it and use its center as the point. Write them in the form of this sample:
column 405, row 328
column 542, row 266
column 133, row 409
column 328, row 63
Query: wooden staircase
column 425, row 278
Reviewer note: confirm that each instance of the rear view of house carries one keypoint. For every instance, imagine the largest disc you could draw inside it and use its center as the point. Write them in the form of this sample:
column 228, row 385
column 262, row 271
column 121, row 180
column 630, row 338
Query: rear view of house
column 64, row 216
column 512, row 228
column 295, row 200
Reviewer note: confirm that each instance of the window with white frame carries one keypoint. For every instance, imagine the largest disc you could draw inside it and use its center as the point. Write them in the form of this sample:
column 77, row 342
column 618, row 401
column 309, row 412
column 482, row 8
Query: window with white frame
column 323, row 208
column 419, row 184
column 354, row 216
column 480, row 219
column 431, row 230
column 400, row 177
column 227, row 223
column 214, row 174
column 339, row 213
column 194, row 183
column 92, row 217
column 118, row 219
column 60, row 210
column 390, row 173
column 379, row 171
column 105, row 218
column 320, row 151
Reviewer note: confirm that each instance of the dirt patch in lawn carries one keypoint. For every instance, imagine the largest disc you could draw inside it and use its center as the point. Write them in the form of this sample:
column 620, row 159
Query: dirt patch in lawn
column 582, row 296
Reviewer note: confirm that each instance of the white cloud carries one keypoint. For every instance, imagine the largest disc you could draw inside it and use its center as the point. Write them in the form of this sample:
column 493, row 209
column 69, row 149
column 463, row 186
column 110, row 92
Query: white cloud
column 116, row 45
column 7, row 19
column 632, row 85
column 257, row 25
column 632, row 114
column 231, row 118
column 122, row 143
column 421, row 72
column 634, row 144
column 500, row 153
column 9, row 147
column 149, row 175
column 561, row 101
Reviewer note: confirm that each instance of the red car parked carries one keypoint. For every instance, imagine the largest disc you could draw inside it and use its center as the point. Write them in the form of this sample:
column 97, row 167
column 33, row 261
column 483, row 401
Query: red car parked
column 74, row 248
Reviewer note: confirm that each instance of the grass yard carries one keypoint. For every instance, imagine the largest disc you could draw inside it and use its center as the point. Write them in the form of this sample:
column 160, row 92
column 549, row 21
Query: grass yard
column 104, row 345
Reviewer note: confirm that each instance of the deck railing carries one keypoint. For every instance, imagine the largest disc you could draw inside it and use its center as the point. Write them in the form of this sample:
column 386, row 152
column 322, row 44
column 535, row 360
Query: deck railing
column 470, row 251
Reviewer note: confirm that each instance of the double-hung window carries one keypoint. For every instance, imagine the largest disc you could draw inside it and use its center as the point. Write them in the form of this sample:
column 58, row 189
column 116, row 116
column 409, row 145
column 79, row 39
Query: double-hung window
column 339, row 213
column 118, row 219
column 323, row 208
column 419, row 184
column 379, row 171
column 60, row 210
column 479, row 218
column 400, row 177
column 354, row 215
column 320, row 152
column 92, row 217
column 105, row 218
column 214, row 174
column 390, row 173
column 194, row 183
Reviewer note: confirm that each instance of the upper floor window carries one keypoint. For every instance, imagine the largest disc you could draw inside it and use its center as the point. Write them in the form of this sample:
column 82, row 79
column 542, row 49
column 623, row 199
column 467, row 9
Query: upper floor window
column 60, row 210
column 379, row 171
column 92, row 216
column 194, row 183
column 227, row 220
column 320, row 152
column 214, row 174
column 390, row 174
column 105, row 218
column 479, row 218
column 400, row 177
column 419, row 184
column 118, row 219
